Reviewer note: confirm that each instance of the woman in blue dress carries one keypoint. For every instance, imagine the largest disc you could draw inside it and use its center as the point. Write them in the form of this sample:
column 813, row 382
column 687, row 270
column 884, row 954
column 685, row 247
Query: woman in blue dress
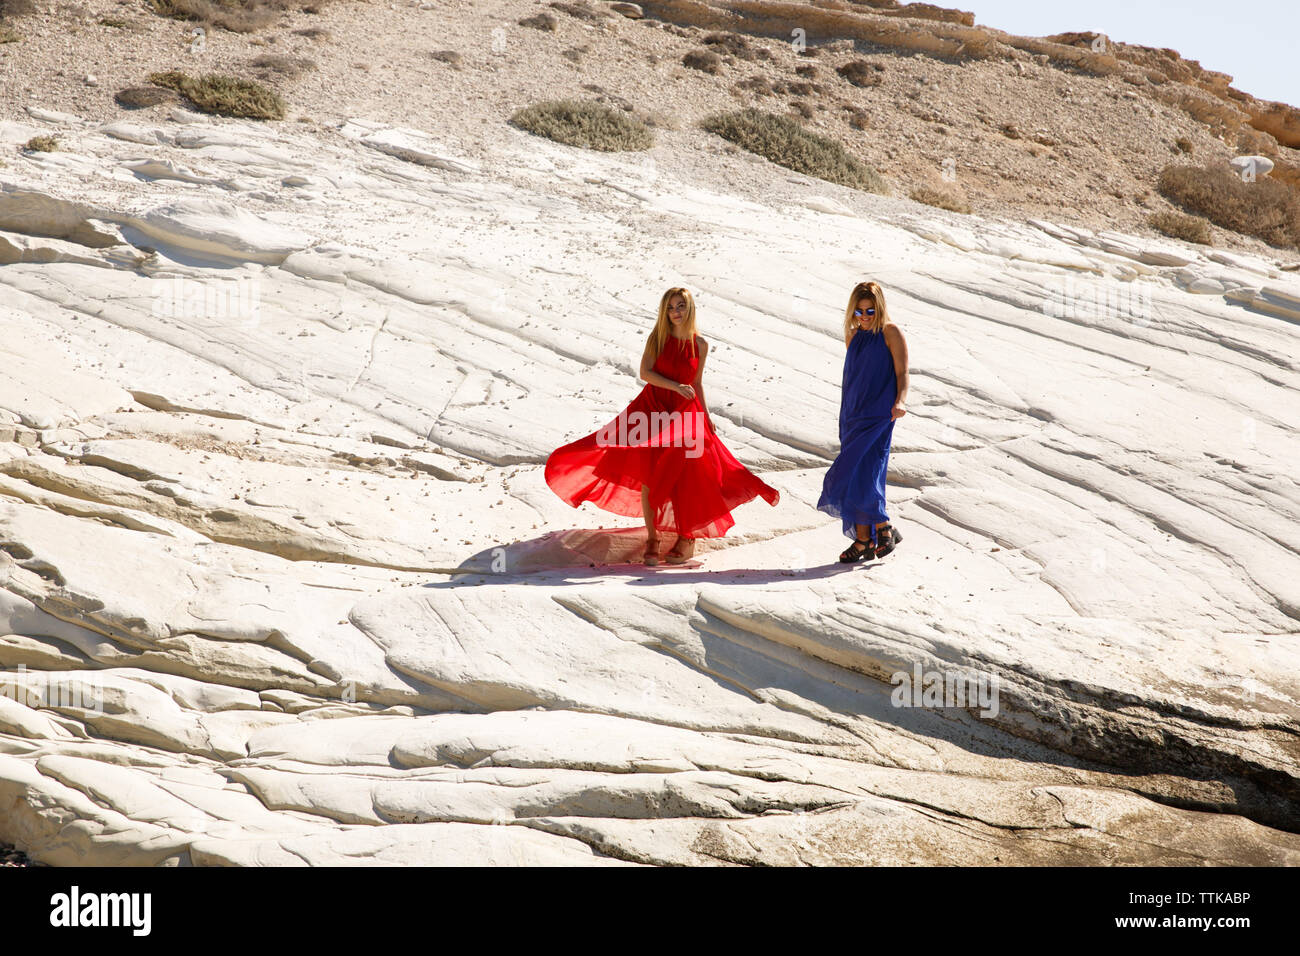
column 871, row 400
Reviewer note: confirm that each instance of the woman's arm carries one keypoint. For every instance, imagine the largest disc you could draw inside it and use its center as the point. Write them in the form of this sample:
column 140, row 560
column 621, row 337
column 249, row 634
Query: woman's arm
column 648, row 373
column 898, row 349
column 699, row 385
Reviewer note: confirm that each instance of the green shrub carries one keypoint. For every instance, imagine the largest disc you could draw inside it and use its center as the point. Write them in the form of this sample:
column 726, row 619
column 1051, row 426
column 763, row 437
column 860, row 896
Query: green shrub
column 783, row 141
column 586, row 124
column 223, row 95
column 858, row 117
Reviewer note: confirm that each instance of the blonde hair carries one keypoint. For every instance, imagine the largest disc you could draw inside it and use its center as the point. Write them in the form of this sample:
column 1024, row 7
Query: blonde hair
column 865, row 290
column 663, row 328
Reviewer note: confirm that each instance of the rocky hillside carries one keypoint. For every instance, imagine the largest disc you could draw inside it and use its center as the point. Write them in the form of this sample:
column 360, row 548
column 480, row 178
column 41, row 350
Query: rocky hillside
column 1076, row 127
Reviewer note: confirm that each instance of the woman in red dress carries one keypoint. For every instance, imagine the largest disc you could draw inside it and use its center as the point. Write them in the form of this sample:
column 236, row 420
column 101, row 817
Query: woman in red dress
column 660, row 459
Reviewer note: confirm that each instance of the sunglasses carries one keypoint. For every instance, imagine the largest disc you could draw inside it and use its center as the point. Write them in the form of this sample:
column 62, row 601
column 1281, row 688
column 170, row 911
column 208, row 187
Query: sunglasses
column 858, row 313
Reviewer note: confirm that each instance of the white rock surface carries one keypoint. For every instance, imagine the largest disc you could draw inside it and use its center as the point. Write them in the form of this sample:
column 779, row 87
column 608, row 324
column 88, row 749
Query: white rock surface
column 281, row 581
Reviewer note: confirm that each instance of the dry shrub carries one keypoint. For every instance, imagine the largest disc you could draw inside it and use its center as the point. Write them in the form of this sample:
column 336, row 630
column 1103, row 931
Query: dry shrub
column 17, row 8
column 734, row 44
column 238, row 16
column 861, row 73
column 1254, row 141
column 541, row 21
column 1184, row 145
column 756, row 84
column 944, row 197
column 1180, row 226
column 1266, row 208
column 783, row 141
column 858, row 117
column 795, row 87
column 705, row 61
column 41, row 144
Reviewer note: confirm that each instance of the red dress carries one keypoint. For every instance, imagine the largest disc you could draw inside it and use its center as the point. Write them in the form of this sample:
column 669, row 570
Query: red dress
column 661, row 440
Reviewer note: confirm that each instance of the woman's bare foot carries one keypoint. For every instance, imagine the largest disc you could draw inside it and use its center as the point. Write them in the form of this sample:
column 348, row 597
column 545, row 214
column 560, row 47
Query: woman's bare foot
column 681, row 552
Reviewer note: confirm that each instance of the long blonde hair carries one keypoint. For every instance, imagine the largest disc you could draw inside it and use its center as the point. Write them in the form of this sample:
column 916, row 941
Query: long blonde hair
column 865, row 290
column 663, row 328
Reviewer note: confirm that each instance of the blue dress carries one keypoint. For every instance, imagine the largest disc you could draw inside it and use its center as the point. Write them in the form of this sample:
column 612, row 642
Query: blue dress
column 854, row 487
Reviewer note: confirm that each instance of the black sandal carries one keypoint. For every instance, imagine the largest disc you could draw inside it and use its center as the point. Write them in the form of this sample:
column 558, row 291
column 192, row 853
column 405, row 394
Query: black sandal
column 851, row 555
column 888, row 538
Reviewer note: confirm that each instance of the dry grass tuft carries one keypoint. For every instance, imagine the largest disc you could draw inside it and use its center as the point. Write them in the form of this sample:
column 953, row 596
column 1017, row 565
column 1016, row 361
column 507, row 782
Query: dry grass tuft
column 1179, row 226
column 943, row 197
column 737, row 45
column 223, row 95
column 41, row 144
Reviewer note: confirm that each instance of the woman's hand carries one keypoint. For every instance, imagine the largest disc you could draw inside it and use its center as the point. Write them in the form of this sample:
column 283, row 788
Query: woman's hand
column 897, row 412
column 685, row 391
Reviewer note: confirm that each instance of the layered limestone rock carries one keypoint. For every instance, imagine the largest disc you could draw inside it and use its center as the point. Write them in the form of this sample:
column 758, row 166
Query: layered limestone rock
column 281, row 581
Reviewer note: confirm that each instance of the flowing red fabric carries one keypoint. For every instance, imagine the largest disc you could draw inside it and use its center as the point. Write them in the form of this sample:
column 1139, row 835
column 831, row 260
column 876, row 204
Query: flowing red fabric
column 660, row 440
